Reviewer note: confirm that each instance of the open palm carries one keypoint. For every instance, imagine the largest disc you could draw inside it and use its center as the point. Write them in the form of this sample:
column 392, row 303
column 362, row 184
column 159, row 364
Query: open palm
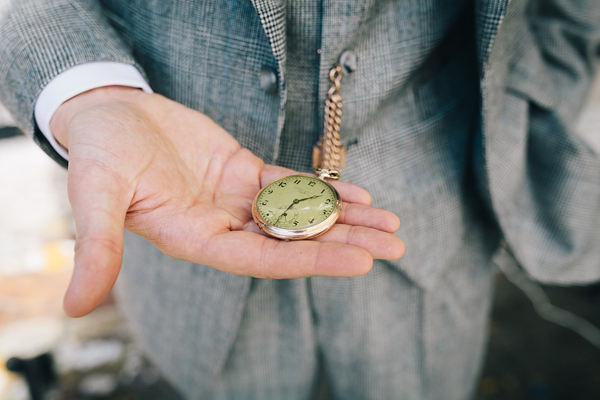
column 171, row 175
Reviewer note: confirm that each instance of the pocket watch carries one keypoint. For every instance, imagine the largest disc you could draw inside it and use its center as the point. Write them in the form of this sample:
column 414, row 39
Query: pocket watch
column 297, row 207
column 305, row 206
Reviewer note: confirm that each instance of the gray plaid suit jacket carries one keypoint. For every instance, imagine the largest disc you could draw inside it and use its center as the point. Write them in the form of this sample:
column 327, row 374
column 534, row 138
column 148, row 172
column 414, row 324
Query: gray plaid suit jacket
column 465, row 112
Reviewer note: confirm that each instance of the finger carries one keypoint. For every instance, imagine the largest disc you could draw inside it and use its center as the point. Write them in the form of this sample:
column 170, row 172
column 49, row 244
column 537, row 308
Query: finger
column 263, row 257
column 381, row 245
column 362, row 215
column 363, row 226
column 348, row 191
column 99, row 213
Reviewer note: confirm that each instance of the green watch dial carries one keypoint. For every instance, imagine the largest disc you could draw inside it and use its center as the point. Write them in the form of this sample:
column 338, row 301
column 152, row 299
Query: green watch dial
column 297, row 207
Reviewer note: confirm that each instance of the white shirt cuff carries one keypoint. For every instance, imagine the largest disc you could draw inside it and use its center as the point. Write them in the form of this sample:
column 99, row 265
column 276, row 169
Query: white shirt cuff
column 79, row 79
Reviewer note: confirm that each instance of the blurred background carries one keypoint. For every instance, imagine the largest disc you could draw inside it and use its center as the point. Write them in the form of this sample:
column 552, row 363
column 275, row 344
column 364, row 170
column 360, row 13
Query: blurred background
column 94, row 357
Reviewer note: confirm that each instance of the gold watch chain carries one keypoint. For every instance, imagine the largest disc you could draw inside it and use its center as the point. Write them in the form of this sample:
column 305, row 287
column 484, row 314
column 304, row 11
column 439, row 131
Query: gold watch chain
column 329, row 153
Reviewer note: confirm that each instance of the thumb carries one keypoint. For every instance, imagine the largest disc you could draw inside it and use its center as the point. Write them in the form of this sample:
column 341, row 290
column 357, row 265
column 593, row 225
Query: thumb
column 99, row 210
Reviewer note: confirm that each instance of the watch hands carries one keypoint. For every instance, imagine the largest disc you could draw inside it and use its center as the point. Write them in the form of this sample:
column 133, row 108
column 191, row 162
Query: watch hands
column 296, row 201
column 286, row 210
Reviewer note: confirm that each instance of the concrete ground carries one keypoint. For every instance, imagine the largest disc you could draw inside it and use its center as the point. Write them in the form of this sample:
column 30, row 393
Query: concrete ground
column 528, row 358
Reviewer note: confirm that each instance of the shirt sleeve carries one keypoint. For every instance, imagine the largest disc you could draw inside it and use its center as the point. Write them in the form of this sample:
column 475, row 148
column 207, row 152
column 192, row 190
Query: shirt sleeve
column 79, row 79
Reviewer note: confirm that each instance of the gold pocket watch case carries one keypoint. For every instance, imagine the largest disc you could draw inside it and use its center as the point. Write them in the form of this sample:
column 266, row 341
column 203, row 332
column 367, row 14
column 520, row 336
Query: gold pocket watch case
column 297, row 207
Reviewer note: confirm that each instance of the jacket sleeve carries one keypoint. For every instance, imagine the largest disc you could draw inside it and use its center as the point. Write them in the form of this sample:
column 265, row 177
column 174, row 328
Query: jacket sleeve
column 39, row 39
column 551, row 219
column 559, row 67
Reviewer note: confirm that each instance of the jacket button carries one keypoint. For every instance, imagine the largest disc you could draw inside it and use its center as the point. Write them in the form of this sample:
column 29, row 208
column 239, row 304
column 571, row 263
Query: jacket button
column 268, row 80
column 348, row 62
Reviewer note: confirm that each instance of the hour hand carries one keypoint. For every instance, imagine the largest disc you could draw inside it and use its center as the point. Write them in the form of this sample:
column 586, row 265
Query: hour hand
column 286, row 210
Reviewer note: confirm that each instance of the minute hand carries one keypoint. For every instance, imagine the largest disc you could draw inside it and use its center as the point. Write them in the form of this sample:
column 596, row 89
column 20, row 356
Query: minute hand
column 307, row 198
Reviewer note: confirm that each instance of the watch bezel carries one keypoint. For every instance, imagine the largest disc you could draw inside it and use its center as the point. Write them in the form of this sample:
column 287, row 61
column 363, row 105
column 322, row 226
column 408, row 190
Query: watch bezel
column 302, row 233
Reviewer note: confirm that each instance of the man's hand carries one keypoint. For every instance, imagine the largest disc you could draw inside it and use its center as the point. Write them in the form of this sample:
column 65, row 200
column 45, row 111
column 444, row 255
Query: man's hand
column 171, row 175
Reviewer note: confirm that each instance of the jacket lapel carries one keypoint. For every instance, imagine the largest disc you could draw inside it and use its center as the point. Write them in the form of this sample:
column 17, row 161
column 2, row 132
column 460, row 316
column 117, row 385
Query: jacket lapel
column 495, row 49
column 488, row 17
column 272, row 17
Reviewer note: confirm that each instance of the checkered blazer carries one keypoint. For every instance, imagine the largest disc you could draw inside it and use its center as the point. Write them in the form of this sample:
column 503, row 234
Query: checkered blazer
column 532, row 63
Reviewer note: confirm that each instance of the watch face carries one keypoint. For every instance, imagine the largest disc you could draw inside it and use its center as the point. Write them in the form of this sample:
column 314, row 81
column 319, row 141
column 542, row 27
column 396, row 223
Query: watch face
column 296, row 207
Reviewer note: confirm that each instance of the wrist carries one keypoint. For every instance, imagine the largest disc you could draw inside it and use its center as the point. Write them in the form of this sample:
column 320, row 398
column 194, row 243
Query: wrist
column 67, row 110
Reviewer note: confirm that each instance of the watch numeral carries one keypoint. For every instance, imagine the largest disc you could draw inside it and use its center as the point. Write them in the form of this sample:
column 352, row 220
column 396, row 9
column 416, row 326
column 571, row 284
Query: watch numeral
column 270, row 191
column 310, row 221
column 295, row 223
column 297, row 181
column 312, row 183
column 328, row 201
column 282, row 184
column 322, row 191
column 324, row 212
column 264, row 203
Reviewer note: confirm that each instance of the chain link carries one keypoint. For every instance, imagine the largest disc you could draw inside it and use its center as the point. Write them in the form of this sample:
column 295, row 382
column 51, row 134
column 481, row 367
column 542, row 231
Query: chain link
column 330, row 150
